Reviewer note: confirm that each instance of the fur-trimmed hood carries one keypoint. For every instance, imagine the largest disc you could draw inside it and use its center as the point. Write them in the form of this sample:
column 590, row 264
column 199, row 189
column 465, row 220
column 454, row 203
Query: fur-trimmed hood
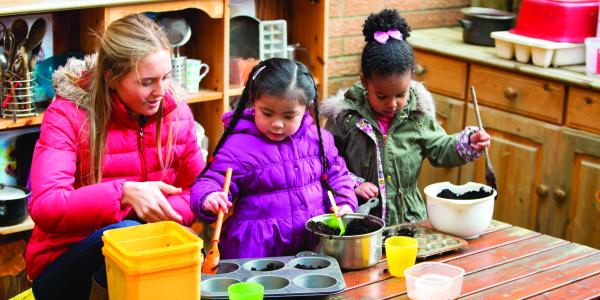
column 73, row 80
column 346, row 100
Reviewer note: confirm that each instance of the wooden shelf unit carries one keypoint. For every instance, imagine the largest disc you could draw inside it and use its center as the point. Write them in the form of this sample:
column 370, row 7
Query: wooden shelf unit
column 209, row 20
column 209, row 42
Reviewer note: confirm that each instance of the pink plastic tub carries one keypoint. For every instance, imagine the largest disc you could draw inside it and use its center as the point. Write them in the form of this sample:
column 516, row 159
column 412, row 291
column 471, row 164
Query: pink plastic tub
column 558, row 20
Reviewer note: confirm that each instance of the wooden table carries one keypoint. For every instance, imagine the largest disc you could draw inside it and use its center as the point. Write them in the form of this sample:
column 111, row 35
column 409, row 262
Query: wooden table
column 507, row 262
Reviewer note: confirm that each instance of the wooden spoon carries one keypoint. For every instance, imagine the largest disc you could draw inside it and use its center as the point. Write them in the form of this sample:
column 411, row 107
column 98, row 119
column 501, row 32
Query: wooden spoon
column 19, row 29
column 36, row 35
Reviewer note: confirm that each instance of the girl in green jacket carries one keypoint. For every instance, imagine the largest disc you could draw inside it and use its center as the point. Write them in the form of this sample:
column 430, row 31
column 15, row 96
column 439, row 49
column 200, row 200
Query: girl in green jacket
column 385, row 126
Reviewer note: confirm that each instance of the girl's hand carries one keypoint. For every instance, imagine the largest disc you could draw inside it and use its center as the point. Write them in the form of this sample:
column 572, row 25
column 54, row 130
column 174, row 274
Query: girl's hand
column 342, row 210
column 217, row 200
column 479, row 140
column 366, row 190
column 149, row 202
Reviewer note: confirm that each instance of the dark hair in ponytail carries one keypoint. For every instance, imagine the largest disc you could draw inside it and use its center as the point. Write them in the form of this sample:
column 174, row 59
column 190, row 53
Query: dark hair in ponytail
column 393, row 56
column 281, row 78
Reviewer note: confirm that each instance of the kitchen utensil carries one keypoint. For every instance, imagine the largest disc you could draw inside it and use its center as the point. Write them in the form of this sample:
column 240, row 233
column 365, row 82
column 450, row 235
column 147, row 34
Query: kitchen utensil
column 335, row 222
column 366, row 207
column 466, row 219
column 490, row 175
column 351, row 251
column 211, row 263
column 19, row 29
column 568, row 21
column 401, row 253
column 178, row 31
column 434, row 280
column 10, row 94
column 13, row 204
column 8, row 40
column 283, row 277
column 479, row 22
column 36, row 35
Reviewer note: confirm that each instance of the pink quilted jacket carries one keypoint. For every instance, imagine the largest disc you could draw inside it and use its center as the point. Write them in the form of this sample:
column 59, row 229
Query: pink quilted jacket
column 65, row 211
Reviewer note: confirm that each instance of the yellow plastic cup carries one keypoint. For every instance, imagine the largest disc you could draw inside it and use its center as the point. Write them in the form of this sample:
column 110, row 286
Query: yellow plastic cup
column 401, row 254
column 246, row 291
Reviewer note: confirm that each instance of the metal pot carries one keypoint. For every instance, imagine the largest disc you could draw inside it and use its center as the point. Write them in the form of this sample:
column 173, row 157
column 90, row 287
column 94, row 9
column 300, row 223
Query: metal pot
column 480, row 22
column 354, row 251
column 13, row 204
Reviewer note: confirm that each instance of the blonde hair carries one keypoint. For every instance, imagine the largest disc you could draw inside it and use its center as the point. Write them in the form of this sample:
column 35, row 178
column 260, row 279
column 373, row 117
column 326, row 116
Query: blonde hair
column 124, row 43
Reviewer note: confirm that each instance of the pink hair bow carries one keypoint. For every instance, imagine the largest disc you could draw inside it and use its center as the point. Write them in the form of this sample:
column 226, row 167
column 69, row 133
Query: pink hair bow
column 382, row 36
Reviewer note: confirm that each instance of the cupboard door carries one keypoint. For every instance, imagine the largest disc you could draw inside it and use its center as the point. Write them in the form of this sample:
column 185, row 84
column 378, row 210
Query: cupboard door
column 450, row 115
column 441, row 75
column 522, row 153
column 579, row 159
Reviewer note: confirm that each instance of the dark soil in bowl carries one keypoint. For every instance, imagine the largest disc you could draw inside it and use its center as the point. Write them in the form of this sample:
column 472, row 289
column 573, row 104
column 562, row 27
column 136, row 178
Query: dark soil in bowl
column 470, row 195
column 308, row 267
column 355, row 227
column 268, row 267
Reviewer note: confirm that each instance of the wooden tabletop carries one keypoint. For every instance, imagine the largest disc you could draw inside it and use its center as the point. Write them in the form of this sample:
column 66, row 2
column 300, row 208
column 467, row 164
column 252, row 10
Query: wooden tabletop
column 507, row 262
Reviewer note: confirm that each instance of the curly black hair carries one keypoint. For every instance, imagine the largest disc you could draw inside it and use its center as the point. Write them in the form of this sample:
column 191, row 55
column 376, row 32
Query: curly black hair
column 393, row 57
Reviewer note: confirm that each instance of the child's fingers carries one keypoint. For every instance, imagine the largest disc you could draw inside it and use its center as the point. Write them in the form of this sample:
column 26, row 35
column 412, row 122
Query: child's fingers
column 374, row 190
column 344, row 209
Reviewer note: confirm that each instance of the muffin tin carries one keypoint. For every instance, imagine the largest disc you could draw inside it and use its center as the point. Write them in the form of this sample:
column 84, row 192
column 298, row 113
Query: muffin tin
column 431, row 242
column 285, row 280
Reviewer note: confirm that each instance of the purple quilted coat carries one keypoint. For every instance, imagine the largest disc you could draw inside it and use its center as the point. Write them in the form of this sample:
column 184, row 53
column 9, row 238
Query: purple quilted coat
column 276, row 188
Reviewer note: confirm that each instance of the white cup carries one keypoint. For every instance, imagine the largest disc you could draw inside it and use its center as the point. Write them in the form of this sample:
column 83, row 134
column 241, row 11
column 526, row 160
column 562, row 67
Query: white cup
column 195, row 71
column 592, row 55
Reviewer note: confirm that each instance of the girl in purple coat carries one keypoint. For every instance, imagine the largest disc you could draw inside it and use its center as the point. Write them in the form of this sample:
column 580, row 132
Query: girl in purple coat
column 283, row 163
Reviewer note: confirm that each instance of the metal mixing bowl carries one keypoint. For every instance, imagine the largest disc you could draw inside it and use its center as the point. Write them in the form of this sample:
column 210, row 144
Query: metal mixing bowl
column 351, row 251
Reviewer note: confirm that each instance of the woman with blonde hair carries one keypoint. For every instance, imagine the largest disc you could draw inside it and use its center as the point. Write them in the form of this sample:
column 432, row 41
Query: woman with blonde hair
column 117, row 148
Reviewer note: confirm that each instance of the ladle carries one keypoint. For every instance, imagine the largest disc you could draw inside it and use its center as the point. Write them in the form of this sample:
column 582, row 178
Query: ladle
column 178, row 31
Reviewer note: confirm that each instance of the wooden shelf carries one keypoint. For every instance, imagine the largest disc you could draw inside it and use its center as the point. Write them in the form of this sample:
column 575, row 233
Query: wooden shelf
column 23, row 226
column 236, row 90
column 7, row 123
column 213, row 8
column 204, row 95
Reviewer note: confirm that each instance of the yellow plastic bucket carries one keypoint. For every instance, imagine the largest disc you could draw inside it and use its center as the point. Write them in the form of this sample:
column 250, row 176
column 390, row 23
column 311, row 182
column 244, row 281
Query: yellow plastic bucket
column 152, row 261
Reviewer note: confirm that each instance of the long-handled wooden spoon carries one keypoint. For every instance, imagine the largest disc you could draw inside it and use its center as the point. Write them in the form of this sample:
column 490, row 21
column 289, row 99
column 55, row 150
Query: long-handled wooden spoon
column 211, row 263
column 490, row 175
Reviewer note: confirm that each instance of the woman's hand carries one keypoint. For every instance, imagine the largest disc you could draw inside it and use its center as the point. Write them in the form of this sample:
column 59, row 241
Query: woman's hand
column 479, row 140
column 366, row 190
column 217, row 200
column 343, row 209
column 149, row 202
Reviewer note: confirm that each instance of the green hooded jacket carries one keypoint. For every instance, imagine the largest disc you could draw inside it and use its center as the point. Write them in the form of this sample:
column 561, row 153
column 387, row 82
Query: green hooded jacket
column 413, row 135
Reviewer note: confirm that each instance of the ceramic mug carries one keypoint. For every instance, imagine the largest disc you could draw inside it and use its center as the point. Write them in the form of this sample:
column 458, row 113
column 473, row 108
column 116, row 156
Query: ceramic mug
column 195, row 71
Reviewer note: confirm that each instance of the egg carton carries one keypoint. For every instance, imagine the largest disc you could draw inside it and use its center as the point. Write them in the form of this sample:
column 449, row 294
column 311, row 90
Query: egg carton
column 542, row 53
column 289, row 276
column 272, row 39
column 431, row 242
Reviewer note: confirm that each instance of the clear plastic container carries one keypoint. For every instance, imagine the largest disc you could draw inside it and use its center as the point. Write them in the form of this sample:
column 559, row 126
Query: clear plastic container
column 434, row 281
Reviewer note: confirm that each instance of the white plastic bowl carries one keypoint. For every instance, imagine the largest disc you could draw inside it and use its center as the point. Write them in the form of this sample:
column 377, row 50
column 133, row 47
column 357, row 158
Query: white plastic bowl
column 463, row 218
column 433, row 281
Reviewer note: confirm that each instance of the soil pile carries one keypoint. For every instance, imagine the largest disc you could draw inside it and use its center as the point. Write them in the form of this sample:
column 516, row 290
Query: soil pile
column 470, row 195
